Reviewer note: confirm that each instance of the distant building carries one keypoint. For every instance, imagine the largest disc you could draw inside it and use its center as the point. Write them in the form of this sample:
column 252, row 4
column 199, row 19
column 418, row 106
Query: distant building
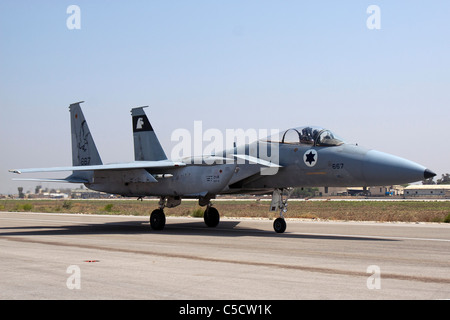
column 90, row 194
column 47, row 195
column 431, row 190
column 386, row 191
column 331, row 191
column 377, row 191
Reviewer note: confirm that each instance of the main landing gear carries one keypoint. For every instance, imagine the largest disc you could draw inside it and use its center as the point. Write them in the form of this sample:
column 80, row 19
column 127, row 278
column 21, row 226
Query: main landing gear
column 158, row 218
column 211, row 216
column 280, row 203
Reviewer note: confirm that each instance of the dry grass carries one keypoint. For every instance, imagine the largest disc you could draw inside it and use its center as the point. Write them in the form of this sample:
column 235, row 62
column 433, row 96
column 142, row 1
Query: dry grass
column 405, row 211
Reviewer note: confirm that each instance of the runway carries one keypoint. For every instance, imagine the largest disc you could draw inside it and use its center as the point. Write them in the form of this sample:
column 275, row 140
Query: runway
column 62, row 256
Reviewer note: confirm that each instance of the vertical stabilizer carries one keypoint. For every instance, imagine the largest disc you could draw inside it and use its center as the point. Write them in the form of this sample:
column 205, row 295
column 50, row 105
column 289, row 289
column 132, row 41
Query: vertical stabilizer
column 146, row 144
column 84, row 151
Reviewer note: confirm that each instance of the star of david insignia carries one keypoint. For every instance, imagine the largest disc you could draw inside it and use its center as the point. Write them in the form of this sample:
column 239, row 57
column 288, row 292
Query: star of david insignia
column 310, row 157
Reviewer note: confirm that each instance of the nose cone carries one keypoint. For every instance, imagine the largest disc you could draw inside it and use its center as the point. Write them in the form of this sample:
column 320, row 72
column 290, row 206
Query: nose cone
column 429, row 174
column 385, row 169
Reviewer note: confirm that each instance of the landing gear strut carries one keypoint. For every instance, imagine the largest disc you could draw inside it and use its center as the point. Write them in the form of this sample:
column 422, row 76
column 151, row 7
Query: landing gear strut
column 280, row 203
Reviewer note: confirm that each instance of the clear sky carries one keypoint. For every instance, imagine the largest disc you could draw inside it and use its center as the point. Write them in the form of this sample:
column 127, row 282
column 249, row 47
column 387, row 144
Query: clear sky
column 231, row 64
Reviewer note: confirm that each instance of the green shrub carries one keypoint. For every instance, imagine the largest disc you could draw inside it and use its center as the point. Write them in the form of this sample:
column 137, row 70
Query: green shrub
column 27, row 207
column 447, row 219
column 67, row 205
column 108, row 207
column 197, row 213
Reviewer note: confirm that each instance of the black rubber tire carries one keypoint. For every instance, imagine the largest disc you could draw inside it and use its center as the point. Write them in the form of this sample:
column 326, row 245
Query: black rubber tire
column 279, row 225
column 211, row 217
column 157, row 219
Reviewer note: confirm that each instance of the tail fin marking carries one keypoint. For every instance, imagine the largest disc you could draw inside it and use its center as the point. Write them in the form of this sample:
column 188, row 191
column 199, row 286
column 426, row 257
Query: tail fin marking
column 84, row 151
column 146, row 144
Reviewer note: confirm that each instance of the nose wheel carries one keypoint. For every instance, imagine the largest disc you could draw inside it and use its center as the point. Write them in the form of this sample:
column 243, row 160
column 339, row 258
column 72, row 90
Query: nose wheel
column 279, row 225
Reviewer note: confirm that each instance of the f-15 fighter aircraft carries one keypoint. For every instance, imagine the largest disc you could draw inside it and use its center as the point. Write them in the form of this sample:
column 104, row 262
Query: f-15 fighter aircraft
column 299, row 157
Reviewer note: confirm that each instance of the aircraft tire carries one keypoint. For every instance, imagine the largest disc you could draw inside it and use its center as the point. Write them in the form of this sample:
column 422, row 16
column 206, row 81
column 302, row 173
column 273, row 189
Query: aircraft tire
column 157, row 219
column 279, row 225
column 211, row 217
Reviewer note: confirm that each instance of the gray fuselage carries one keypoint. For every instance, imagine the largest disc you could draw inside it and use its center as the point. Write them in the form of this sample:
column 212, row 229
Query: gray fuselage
column 343, row 165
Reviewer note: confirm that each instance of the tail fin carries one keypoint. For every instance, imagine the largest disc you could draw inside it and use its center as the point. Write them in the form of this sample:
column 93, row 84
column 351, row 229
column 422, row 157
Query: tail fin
column 146, row 144
column 84, row 151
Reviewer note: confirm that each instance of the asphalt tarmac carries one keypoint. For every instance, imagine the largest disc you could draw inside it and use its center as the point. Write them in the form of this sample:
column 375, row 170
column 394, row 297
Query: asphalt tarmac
column 62, row 256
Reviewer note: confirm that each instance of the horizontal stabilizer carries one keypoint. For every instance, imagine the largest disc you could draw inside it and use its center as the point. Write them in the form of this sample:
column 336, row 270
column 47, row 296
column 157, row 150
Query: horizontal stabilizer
column 113, row 166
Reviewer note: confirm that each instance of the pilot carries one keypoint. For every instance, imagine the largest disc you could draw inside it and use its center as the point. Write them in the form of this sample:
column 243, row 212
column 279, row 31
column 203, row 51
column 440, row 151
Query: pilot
column 307, row 136
column 315, row 134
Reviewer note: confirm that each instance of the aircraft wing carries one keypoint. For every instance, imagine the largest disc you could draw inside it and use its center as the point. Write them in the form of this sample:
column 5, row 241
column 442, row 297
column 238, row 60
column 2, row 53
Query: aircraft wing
column 257, row 161
column 113, row 166
column 68, row 180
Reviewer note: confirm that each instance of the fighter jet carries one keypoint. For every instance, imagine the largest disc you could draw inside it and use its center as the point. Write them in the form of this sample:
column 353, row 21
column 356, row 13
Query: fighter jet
column 308, row 156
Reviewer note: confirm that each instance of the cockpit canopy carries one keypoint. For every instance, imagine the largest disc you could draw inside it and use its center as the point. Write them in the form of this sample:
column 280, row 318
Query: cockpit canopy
column 309, row 135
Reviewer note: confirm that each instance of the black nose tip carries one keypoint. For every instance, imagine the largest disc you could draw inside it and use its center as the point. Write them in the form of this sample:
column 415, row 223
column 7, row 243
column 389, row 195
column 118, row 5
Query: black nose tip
column 429, row 174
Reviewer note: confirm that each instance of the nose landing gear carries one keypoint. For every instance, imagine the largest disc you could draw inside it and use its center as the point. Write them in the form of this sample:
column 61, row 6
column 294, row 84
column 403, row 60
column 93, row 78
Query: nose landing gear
column 280, row 203
column 279, row 225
